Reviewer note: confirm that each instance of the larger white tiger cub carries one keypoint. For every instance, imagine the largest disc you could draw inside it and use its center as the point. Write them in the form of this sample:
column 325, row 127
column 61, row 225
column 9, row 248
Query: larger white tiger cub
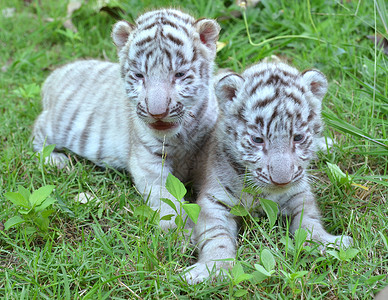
column 158, row 102
column 268, row 131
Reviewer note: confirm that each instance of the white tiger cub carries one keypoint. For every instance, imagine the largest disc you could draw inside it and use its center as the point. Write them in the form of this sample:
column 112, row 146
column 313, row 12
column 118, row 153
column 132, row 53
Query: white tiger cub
column 158, row 102
column 268, row 130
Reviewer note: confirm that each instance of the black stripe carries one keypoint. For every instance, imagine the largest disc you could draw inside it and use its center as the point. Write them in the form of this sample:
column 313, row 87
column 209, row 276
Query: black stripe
column 65, row 103
column 85, row 133
column 294, row 98
column 264, row 102
column 71, row 123
column 292, row 197
column 240, row 114
column 169, row 58
column 180, row 58
column 311, row 116
column 216, row 201
column 255, row 87
column 199, row 115
column 144, row 41
column 229, row 190
column 149, row 26
column 212, row 239
column 215, row 227
column 175, row 40
column 239, row 169
column 259, row 121
column 166, row 22
column 317, row 128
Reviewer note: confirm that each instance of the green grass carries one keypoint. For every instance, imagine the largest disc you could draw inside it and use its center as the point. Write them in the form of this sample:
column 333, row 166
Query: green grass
column 105, row 250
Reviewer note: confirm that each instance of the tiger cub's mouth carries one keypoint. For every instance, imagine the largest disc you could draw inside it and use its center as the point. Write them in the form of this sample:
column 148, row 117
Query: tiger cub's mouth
column 160, row 125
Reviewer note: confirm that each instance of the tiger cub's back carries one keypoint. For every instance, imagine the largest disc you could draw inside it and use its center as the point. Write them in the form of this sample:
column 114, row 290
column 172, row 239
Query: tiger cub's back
column 81, row 100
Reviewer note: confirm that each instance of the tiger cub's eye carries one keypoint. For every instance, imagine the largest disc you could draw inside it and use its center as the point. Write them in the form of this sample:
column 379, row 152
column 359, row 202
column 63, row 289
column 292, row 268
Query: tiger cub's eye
column 179, row 74
column 298, row 137
column 257, row 140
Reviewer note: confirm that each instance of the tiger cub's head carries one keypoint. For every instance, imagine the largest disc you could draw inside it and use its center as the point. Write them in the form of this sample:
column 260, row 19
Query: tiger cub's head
column 166, row 62
column 271, row 122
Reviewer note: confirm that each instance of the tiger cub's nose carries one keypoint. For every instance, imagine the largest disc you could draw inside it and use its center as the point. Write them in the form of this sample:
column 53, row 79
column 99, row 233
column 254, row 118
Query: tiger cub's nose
column 159, row 116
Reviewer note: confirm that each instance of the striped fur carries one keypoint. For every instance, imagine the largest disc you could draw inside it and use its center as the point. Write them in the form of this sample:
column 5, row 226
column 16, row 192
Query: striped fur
column 157, row 103
column 269, row 130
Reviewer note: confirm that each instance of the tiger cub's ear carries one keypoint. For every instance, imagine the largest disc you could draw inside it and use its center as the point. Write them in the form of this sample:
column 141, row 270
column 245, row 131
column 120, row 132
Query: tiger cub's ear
column 226, row 89
column 316, row 82
column 208, row 30
column 120, row 33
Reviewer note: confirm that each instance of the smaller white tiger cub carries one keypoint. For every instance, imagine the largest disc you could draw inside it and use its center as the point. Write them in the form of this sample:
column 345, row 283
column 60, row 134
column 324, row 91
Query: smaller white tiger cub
column 268, row 131
column 148, row 114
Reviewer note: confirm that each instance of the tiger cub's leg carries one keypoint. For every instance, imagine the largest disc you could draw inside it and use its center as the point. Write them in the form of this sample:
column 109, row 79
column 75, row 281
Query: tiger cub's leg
column 42, row 137
column 215, row 235
column 304, row 212
column 149, row 174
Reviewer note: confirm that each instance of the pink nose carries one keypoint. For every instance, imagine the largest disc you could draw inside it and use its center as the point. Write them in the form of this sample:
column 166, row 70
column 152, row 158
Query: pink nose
column 159, row 116
column 279, row 183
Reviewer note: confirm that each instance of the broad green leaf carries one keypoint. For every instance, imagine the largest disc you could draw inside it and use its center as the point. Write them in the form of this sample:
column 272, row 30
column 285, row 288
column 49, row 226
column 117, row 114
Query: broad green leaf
column 262, row 270
column 178, row 221
column 337, row 173
column 17, row 199
column 333, row 253
column 298, row 274
column 167, row 217
column 169, row 203
column 13, row 222
column 175, row 187
column 144, row 211
column 38, row 196
column 237, row 270
column 344, row 255
column 239, row 274
column 25, row 211
column 192, row 211
column 47, row 212
column 239, row 210
column 288, row 242
column 348, row 254
column 271, row 209
column 46, row 203
column 24, row 192
column 242, row 278
column 47, row 150
column 42, row 223
column 300, row 237
column 258, row 277
column 267, row 260
column 30, row 230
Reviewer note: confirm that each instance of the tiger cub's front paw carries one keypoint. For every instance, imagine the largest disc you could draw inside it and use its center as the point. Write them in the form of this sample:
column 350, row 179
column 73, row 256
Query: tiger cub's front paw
column 201, row 271
column 343, row 241
column 336, row 241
